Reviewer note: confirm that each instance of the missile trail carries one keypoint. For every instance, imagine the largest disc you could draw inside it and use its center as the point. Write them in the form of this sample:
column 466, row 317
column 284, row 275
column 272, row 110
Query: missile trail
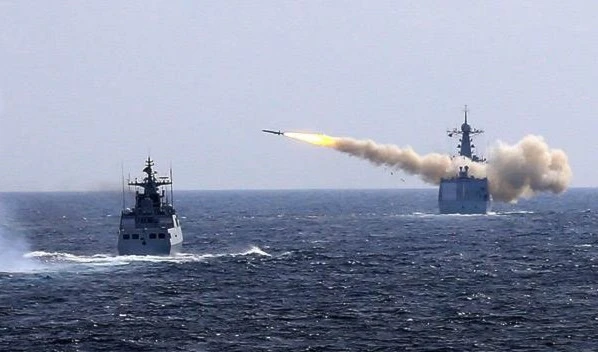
column 514, row 171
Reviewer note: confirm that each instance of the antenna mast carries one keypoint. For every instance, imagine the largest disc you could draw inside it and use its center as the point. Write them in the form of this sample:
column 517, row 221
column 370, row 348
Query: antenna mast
column 171, row 191
column 122, row 179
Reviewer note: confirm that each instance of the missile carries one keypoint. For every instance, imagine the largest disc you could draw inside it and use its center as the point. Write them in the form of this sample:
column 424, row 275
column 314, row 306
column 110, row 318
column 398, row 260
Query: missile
column 273, row 132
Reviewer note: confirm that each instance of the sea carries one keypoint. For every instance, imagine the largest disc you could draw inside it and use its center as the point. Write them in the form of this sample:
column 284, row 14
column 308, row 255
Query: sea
column 305, row 270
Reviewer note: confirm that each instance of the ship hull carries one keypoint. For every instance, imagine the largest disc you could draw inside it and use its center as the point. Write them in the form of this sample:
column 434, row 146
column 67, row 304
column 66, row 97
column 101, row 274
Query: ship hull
column 464, row 207
column 133, row 240
column 144, row 246
column 464, row 195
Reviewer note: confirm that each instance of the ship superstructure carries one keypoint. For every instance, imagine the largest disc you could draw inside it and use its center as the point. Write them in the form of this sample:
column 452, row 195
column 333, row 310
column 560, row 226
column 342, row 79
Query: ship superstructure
column 152, row 226
column 464, row 193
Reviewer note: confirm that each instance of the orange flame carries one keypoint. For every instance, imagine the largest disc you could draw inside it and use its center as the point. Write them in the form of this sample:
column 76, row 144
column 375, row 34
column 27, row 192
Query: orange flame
column 313, row 138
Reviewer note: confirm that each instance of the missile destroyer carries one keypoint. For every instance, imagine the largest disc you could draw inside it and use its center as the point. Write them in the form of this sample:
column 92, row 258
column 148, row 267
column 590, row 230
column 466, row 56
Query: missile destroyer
column 464, row 193
column 152, row 226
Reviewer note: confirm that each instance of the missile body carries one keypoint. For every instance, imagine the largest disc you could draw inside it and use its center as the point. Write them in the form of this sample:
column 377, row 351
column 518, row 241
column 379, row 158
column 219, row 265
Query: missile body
column 273, row 132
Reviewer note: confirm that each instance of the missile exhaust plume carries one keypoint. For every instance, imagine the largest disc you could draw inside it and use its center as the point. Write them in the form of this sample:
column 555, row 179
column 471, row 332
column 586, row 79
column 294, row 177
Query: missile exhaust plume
column 521, row 170
column 314, row 138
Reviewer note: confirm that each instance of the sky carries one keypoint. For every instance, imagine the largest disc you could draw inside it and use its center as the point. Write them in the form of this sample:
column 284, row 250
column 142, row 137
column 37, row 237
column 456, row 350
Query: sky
column 90, row 88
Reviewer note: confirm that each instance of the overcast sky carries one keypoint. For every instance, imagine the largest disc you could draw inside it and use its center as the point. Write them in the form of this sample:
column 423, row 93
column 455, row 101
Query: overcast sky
column 86, row 86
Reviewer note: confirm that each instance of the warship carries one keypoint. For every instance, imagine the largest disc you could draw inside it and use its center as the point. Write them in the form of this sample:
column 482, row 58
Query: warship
column 152, row 226
column 464, row 193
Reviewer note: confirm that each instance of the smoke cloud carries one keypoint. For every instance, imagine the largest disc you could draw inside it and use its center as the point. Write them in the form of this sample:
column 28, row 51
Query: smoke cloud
column 527, row 168
column 513, row 171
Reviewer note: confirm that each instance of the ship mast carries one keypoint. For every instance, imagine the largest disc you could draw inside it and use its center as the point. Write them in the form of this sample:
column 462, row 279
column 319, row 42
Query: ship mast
column 466, row 132
column 150, row 184
column 171, row 191
column 122, row 180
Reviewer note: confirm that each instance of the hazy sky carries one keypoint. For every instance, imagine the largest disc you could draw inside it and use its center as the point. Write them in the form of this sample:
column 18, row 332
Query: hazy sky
column 86, row 86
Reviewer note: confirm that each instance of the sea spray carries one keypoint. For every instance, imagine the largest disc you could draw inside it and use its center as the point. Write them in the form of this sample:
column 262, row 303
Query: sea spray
column 13, row 250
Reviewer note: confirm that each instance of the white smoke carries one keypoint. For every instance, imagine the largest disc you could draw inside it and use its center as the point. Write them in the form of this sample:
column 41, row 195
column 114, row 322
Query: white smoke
column 526, row 168
column 521, row 170
column 430, row 167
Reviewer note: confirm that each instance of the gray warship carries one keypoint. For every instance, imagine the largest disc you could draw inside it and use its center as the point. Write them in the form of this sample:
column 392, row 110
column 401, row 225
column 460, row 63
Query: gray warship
column 464, row 193
column 152, row 226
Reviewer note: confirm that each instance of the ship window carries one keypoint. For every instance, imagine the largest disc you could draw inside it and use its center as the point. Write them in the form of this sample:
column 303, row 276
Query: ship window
column 161, row 235
column 125, row 237
column 135, row 236
column 152, row 235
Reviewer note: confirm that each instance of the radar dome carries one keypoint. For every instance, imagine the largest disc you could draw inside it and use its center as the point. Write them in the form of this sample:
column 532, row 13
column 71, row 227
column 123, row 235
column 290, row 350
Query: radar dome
column 465, row 127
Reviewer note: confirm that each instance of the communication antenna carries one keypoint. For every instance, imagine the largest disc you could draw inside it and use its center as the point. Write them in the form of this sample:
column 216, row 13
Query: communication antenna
column 122, row 178
column 171, row 191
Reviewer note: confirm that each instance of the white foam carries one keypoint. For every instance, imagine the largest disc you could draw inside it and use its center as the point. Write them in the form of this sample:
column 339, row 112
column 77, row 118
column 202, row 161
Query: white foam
column 107, row 259
column 254, row 250
column 515, row 212
column 43, row 261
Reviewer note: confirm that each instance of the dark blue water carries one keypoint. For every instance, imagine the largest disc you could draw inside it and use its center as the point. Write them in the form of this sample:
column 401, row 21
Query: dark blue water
column 302, row 271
